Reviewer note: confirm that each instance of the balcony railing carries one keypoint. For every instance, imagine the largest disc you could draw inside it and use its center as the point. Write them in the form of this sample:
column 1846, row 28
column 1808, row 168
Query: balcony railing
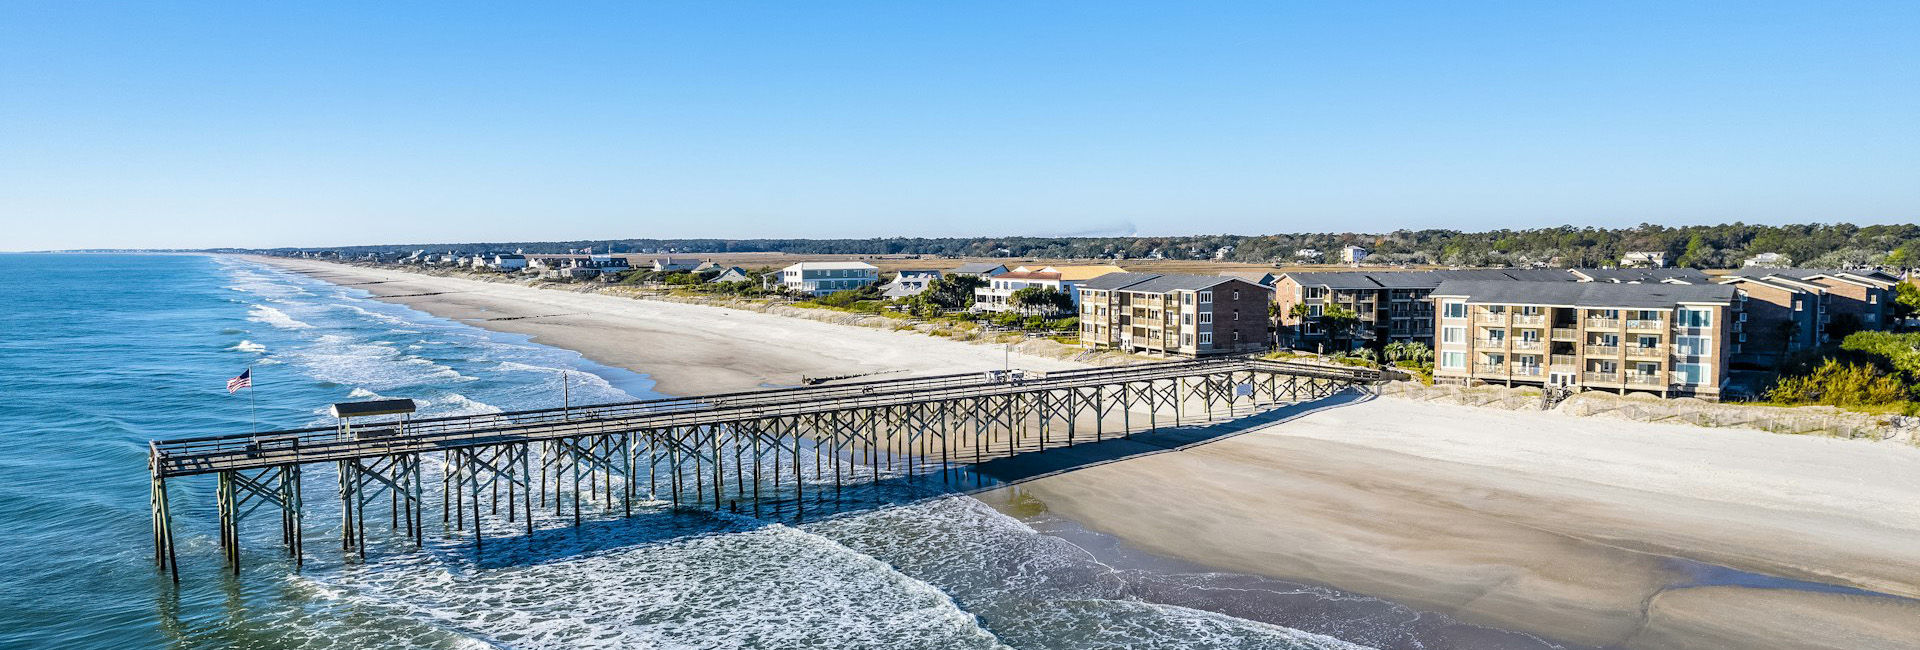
column 1526, row 370
column 1561, row 360
column 1527, row 344
column 1600, row 378
column 1493, row 319
column 1643, row 324
column 1647, row 351
column 1490, row 368
column 1489, row 343
column 1644, row 379
column 1597, row 350
column 1524, row 320
column 1603, row 323
column 1565, row 334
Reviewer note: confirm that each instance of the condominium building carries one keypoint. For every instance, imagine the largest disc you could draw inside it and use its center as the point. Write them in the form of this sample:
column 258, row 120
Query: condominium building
column 1186, row 315
column 1390, row 306
column 821, row 278
column 1780, row 316
column 1665, row 338
column 1856, row 299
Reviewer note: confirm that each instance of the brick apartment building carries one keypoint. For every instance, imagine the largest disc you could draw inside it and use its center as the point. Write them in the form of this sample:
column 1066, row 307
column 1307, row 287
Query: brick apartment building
column 1184, row 315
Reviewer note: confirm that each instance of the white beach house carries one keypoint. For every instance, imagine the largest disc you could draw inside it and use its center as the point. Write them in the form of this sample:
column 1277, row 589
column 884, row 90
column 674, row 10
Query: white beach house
column 821, row 278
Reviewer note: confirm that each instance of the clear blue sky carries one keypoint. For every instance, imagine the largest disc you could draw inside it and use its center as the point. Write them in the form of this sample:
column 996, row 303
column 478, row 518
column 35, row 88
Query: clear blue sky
column 309, row 124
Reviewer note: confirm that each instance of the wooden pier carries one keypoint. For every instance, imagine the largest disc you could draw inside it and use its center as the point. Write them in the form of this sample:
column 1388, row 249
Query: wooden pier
column 719, row 452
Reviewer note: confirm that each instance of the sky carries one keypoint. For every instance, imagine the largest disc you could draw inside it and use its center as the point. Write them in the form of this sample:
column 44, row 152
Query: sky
column 193, row 124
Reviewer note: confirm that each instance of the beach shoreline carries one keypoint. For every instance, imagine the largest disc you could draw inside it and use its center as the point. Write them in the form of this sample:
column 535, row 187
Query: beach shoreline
column 1606, row 533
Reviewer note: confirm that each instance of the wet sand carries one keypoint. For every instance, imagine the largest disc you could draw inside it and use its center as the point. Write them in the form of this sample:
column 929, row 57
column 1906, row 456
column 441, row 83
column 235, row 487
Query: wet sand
column 1596, row 532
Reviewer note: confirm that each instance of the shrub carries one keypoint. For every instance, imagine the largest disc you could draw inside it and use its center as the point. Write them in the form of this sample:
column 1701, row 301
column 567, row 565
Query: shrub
column 1840, row 384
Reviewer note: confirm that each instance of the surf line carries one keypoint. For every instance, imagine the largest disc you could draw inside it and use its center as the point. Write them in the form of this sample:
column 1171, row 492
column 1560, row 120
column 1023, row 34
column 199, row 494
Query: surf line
column 526, row 317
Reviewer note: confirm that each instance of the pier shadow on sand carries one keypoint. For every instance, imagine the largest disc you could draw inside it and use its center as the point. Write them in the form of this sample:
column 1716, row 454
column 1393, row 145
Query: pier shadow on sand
column 656, row 521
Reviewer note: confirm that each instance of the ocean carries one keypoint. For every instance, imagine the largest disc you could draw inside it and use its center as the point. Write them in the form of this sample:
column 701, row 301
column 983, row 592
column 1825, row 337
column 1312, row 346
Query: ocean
column 102, row 353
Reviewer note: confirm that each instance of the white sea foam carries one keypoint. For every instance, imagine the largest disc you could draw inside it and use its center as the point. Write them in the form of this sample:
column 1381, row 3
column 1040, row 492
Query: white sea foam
column 276, row 318
column 248, row 346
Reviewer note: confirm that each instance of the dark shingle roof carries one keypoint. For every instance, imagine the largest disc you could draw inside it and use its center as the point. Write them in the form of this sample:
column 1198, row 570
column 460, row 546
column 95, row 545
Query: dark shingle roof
column 1804, row 274
column 977, row 268
column 1585, row 294
column 1157, row 282
column 1643, row 275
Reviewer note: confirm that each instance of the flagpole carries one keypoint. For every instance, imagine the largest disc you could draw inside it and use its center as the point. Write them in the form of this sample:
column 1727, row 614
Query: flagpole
column 253, row 411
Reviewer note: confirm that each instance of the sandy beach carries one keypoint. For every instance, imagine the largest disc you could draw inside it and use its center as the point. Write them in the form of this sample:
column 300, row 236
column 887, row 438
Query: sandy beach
column 1601, row 533
column 686, row 349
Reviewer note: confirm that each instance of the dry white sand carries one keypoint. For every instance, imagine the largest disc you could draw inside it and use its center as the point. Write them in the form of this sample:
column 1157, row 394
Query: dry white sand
column 1562, row 526
column 686, row 349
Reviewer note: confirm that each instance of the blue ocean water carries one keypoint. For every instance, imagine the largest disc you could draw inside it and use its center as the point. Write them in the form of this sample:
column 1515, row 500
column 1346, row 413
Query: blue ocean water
column 101, row 353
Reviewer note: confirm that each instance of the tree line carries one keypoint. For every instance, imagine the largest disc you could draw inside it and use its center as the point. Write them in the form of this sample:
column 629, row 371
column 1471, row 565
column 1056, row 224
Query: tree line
column 1715, row 246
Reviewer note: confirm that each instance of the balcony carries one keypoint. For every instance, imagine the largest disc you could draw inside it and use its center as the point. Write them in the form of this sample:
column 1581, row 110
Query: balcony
column 1647, row 351
column 1603, row 323
column 1489, row 368
column 1528, row 344
column 1642, row 324
column 1599, row 378
column 1565, row 334
column 1644, row 379
column 1524, row 320
column 1598, row 350
column 1526, row 370
column 1561, row 362
column 1492, row 319
column 1490, row 343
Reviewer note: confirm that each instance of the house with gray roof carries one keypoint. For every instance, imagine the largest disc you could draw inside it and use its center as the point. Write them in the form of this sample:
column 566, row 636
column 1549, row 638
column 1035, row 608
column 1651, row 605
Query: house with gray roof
column 1663, row 338
column 1174, row 314
column 981, row 269
column 909, row 283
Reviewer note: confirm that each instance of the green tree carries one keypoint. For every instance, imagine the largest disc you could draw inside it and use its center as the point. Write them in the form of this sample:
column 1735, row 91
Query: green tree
column 1906, row 300
column 1040, row 301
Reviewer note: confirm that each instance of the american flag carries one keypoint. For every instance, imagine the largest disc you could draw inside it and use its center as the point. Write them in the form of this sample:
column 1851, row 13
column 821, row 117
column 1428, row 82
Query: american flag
column 245, row 380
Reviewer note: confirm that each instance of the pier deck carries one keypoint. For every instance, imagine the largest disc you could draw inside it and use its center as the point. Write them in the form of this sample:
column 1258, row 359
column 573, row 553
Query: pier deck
column 911, row 423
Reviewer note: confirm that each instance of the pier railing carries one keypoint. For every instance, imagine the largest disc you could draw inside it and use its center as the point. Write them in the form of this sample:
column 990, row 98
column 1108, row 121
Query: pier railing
column 942, row 420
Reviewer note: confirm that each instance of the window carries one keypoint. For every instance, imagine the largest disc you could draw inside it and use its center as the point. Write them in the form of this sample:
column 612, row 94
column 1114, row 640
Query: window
column 1454, row 309
column 1186, row 319
column 1206, row 318
column 1649, row 341
column 1236, row 336
column 1313, row 293
column 1690, row 373
column 1455, row 360
column 1206, row 297
column 1314, row 311
column 1186, row 298
column 1206, row 338
column 1236, row 294
column 1693, row 346
column 1453, row 335
column 1236, row 314
column 1186, row 339
column 1695, row 317
column 1873, row 299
